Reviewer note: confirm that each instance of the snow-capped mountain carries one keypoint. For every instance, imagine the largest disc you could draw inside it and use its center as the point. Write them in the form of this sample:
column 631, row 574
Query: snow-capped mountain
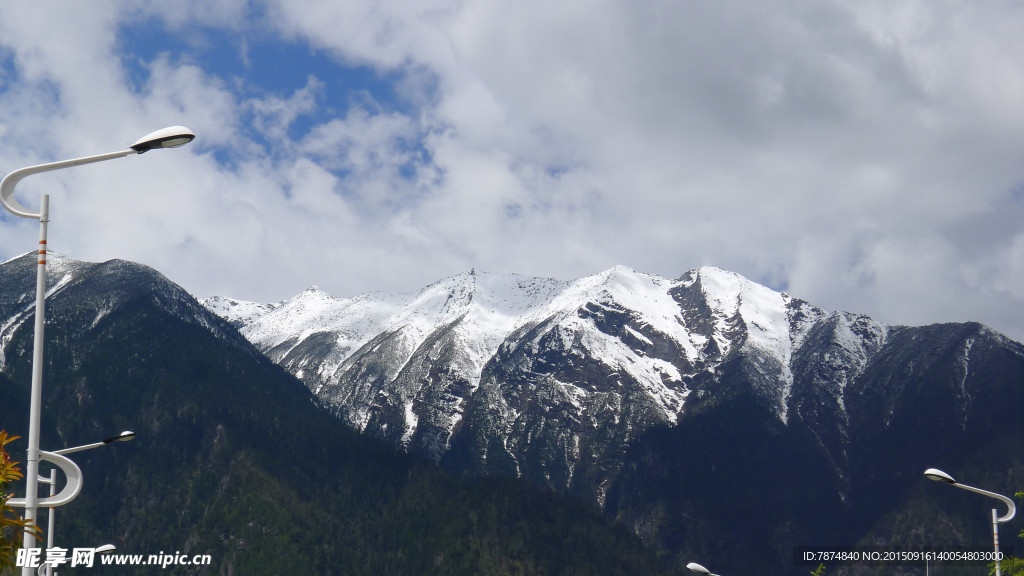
column 357, row 353
column 368, row 355
column 714, row 417
column 94, row 301
column 554, row 380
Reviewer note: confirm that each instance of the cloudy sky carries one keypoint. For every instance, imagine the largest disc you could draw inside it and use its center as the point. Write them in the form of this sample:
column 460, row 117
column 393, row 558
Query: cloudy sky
column 863, row 155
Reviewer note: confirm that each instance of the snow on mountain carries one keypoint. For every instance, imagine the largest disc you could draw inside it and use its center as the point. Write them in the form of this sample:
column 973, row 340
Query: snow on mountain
column 507, row 351
column 239, row 313
column 60, row 272
column 554, row 381
column 97, row 300
column 487, row 307
column 763, row 310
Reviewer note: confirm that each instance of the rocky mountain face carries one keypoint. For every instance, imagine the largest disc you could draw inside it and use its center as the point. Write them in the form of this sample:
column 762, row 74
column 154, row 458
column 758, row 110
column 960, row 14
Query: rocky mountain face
column 686, row 408
column 538, row 378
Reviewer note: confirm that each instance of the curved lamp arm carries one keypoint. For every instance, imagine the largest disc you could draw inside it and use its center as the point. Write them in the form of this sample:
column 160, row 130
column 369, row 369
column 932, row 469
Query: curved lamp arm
column 72, row 486
column 1009, row 503
column 12, row 179
column 940, row 476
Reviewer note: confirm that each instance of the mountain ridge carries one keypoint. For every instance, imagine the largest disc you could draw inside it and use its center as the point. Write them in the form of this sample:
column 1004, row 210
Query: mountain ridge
column 730, row 304
column 792, row 425
column 619, row 350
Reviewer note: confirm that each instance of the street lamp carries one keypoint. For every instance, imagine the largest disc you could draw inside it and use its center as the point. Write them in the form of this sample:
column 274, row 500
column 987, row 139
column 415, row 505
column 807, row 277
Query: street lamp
column 940, row 476
column 694, row 567
column 71, row 489
column 166, row 138
column 52, row 481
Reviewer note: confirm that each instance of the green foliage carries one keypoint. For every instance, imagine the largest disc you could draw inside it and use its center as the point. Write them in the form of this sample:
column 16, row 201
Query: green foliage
column 8, row 473
column 11, row 525
column 819, row 571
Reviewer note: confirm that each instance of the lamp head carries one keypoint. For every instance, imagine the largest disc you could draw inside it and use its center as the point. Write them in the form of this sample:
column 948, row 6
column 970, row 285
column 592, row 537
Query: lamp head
column 171, row 137
column 694, row 567
column 105, row 549
column 939, row 476
column 122, row 437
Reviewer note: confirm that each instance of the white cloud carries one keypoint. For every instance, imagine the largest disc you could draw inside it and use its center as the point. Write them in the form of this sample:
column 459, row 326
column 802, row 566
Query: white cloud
column 363, row 143
column 862, row 154
column 272, row 116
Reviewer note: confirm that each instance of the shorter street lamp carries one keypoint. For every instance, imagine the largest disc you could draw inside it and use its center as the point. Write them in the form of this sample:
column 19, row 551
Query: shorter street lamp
column 694, row 567
column 52, row 481
column 940, row 476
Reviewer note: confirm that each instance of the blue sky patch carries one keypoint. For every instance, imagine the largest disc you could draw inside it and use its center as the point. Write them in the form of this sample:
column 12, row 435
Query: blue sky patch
column 258, row 65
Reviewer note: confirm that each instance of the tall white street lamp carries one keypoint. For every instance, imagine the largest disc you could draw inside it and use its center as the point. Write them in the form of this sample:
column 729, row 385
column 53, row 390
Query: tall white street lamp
column 166, row 138
column 940, row 476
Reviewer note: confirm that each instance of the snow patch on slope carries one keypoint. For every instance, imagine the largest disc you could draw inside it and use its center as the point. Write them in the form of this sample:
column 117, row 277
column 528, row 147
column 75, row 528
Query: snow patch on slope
column 764, row 314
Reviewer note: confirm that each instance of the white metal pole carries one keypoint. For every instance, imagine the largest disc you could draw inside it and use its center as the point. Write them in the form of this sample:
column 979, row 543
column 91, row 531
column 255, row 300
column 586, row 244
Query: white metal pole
column 32, row 461
column 50, row 521
column 995, row 536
